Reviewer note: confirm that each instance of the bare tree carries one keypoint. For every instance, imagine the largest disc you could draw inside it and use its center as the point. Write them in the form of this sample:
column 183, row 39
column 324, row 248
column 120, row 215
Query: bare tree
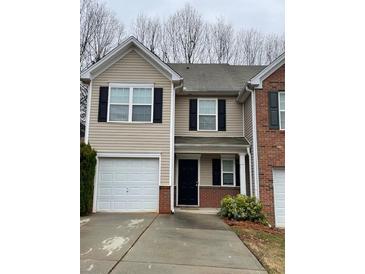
column 148, row 31
column 186, row 27
column 107, row 33
column 219, row 42
column 87, row 26
column 165, row 45
column 171, row 40
column 249, row 47
column 100, row 32
column 273, row 47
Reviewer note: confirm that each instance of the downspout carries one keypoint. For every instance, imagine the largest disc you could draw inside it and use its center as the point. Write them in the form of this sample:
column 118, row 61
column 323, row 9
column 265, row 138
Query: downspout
column 250, row 169
column 172, row 146
column 255, row 150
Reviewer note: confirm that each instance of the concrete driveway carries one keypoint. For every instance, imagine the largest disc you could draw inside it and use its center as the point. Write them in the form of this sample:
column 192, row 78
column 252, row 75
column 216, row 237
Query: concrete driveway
column 151, row 243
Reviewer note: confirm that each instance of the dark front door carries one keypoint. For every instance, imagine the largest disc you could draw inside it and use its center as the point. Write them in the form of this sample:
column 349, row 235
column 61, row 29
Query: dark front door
column 188, row 182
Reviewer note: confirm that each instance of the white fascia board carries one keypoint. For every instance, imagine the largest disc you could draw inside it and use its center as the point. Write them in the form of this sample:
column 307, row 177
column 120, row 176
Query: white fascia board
column 257, row 80
column 107, row 60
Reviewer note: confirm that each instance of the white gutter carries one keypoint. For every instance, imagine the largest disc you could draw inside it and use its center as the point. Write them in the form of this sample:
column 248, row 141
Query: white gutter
column 172, row 148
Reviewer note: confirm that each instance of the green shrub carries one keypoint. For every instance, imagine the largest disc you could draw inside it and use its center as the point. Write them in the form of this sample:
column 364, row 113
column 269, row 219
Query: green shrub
column 87, row 173
column 243, row 208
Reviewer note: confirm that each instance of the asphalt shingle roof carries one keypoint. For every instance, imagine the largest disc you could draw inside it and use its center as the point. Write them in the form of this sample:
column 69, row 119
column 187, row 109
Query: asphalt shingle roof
column 215, row 77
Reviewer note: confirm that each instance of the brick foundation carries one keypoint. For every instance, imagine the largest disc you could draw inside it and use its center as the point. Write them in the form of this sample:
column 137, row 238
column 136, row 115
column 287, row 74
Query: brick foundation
column 210, row 196
column 271, row 142
column 164, row 205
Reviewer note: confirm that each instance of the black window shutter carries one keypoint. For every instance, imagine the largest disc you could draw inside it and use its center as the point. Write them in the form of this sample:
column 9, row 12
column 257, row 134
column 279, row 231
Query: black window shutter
column 273, row 110
column 157, row 105
column 238, row 182
column 221, row 115
column 216, row 172
column 103, row 104
column 193, row 112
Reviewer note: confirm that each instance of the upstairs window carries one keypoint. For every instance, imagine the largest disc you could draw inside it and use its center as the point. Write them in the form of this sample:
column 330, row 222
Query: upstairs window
column 119, row 104
column 207, row 114
column 130, row 103
column 282, row 110
column 142, row 105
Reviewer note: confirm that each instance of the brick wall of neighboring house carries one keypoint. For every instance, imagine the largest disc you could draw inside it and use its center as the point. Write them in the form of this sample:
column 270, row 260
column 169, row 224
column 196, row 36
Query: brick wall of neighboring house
column 210, row 196
column 164, row 206
column 271, row 143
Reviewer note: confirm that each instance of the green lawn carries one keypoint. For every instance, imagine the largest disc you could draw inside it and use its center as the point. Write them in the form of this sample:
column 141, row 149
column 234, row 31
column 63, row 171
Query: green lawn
column 268, row 245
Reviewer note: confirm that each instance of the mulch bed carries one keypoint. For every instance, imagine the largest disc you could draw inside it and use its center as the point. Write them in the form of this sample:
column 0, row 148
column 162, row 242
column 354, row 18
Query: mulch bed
column 252, row 225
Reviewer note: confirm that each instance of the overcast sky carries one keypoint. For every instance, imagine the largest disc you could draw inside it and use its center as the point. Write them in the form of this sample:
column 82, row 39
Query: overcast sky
column 264, row 15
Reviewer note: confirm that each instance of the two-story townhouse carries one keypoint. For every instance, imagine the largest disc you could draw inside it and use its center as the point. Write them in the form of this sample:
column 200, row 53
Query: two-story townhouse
column 212, row 156
column 170, row 135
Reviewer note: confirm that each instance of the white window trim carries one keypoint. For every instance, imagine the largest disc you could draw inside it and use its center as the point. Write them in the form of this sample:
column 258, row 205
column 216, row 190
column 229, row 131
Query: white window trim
column 216, row 114
column 280, row 110
column 130, row 103
column 234, row 171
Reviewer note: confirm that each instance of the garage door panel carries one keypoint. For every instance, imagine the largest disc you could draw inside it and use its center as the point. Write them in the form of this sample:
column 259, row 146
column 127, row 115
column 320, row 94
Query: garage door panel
column 135, row 177
column 127, row 185
column 279, row 196
column 106, row 177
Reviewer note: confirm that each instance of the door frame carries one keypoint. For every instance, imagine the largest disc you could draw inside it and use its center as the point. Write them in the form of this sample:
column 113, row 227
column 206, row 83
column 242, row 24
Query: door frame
column 121, row 155
column 187, row 157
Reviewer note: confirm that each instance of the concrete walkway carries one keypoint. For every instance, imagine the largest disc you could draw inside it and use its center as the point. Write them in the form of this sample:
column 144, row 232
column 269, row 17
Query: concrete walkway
column 179, row 243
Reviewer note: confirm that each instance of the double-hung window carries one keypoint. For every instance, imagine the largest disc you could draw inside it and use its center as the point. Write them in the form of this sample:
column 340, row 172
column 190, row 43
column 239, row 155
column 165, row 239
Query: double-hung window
column 228, row 172
column 130, row 103
column 281, row 110
column 207, row 114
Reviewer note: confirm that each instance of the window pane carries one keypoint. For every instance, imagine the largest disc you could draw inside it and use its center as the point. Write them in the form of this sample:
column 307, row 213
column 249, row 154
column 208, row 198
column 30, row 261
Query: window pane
column 282, row 119
column 142, row 96
column 206, row 122
column 227, row 165
column 282, row 101
column 141, row 113
column 118, row 113
column 228, row 179
column 119, row 95
column 207, row 106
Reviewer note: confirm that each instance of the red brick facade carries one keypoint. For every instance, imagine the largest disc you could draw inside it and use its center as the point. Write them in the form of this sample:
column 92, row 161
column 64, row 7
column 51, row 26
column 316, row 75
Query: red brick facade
column 210, row 196
column 271, row 143
column 164, row 206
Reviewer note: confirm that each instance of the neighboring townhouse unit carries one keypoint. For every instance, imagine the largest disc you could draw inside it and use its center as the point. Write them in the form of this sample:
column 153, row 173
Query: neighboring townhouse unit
column 264, row 103
column 170, row 135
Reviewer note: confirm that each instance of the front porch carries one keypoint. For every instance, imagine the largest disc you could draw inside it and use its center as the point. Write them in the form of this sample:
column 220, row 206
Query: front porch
column 208, row 168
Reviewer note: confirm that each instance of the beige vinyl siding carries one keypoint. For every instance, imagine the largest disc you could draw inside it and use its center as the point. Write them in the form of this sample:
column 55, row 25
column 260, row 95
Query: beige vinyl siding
column 248, row 119
column 132, row 137
column 234, row 120
column 206, row 178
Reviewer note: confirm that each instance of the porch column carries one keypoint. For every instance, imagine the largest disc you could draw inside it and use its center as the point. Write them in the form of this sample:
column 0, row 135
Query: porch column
column 242, row 173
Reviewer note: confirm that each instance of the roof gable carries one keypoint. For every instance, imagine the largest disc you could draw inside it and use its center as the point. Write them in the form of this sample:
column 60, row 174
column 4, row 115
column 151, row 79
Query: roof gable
column 257, row 80
column 123, row 49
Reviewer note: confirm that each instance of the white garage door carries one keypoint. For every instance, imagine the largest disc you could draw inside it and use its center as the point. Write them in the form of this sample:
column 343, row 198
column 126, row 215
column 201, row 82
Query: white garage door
column 127, row 185
column 279, row 196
